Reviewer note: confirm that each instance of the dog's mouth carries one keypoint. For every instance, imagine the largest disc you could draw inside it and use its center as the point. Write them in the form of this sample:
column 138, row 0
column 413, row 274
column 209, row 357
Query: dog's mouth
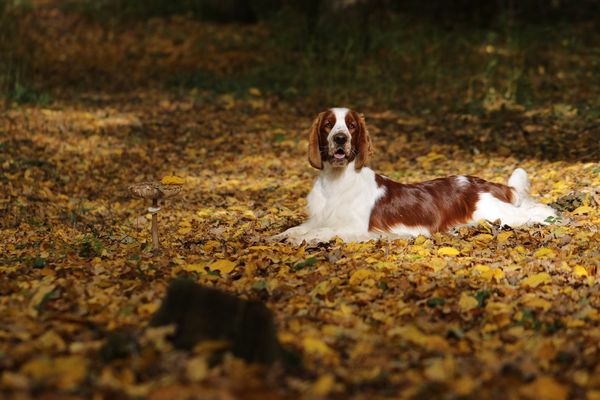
column 339, row 158
column 339, row 154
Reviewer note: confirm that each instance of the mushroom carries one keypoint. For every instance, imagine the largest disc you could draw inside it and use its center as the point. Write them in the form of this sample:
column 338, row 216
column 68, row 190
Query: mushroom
column 155, row 191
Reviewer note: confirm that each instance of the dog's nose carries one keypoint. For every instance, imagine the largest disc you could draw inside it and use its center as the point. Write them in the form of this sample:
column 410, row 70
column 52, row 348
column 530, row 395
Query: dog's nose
column 340, row 139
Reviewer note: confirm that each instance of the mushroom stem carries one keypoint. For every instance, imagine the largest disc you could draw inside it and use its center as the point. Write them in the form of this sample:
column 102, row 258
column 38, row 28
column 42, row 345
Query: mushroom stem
column 155, row 242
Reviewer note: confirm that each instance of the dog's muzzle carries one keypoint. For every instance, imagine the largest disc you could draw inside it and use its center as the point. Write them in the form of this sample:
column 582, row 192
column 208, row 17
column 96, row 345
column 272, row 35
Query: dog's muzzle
column 340, row 148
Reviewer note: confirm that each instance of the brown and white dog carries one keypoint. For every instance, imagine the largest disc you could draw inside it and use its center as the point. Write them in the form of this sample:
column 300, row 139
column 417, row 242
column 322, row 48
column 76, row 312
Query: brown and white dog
column 352, row 202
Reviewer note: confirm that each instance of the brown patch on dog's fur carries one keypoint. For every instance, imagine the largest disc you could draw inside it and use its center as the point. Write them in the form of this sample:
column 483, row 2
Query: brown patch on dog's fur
column 361, row 140
column 436, row 205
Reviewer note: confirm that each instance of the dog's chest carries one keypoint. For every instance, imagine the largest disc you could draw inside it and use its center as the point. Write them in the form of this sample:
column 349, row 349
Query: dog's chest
column 344, row 200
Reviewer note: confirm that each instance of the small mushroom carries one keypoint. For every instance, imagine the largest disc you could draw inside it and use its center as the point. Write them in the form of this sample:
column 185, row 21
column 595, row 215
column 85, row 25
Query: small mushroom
column 154, row 191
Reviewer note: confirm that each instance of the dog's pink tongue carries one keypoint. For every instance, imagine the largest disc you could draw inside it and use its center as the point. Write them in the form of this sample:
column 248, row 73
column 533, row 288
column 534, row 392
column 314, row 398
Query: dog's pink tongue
column 339, row 155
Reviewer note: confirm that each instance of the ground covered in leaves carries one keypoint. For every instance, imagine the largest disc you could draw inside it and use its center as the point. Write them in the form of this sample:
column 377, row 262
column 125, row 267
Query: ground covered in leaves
column 483, row 312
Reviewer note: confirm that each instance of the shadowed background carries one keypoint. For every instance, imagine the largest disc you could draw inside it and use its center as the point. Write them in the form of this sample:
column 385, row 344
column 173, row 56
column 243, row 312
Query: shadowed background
column 493, row 60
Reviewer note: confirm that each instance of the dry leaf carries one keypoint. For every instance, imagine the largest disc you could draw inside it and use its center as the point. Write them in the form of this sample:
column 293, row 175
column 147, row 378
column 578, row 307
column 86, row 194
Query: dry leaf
column 223, row 266
column 172, row 180
column 537, row 279
column 448, row 251
column 467, row 302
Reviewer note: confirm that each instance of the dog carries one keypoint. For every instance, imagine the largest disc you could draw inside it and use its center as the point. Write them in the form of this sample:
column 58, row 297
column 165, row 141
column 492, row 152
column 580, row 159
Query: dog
column 352, row 202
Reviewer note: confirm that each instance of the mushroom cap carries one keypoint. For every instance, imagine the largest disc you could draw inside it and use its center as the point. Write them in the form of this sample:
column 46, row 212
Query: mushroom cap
column 154, row 190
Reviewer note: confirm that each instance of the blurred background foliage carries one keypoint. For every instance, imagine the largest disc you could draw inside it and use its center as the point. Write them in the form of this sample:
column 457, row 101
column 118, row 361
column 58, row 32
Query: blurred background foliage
column 466, row 54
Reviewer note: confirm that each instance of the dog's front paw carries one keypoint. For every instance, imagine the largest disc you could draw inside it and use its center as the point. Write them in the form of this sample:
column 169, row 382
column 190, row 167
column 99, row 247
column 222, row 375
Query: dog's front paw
column 295, row 235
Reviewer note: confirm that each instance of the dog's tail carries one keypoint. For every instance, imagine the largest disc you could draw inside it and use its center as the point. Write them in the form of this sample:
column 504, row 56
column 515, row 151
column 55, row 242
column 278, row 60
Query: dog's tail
column 519, row 181
column 531, row 210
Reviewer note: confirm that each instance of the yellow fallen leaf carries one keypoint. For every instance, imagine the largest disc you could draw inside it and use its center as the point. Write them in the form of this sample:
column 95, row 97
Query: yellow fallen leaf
column 448, row 251
column 497, row 308
column 38, row 298
column 148, row 308
column 467, row 303
column 520, row 250
column 254, row 91
column 419, row 250
column 484, row 272
column 227, row 100
column 211, row 346
column 323, row 386
column 537, row 279
column 51, row 340
column 322, row 288
column 498, row 274
column 193, row 267
column 593, row 394
column 71, row 370
column 360, row 275
column 578, row 270
column 38, row 368
column 484, row 224
column 504, row 236
column 346, row 309
column 249, row 214
column 544, row 252
column 172, row 180
column 533, row 301
column 11, row 380
column 545, row 387
column 464, row 385
column 316, row 346
column 413, row 334
column 482, row 238
column 573, row 322
column 419, row 240
column 211, row 245
column 583, row 210
column 440, row 369
column 185, row 226
column 436, row 263
column 65, row 372
column 224, row 266
column 196, row 368
column 259, row 248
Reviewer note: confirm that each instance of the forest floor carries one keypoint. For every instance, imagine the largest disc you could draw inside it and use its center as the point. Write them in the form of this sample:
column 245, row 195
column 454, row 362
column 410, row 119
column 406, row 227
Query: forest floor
column 484, row 312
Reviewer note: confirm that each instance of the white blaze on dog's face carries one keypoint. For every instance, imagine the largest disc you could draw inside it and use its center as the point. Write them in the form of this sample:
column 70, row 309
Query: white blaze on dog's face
column 339, row 136
column 339, row 140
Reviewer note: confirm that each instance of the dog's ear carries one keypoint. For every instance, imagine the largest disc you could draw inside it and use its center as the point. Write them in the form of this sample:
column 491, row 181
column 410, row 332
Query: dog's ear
column 314, row 150
column 365, row 149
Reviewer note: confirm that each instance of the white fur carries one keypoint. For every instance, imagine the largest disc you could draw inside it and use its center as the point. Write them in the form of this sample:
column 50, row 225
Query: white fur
column 519, row 181
column 528, row 212
column 340, row 122
column 462, row 180
column 523, row 211
column 409, row 231
column 339, row 127
column 339, row 204
column 341, row 201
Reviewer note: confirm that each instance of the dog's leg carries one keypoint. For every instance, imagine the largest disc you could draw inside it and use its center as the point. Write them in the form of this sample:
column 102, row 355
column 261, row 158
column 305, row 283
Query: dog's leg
column 294, row 235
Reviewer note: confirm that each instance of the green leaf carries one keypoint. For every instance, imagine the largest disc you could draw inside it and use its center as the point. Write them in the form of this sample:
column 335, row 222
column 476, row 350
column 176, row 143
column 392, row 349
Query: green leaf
column 436, row 301
column 39, row 262
column 309, row 262
column 482, row 296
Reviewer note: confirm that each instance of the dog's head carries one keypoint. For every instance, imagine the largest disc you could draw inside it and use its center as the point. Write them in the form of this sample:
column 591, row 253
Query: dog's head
column 339, row 136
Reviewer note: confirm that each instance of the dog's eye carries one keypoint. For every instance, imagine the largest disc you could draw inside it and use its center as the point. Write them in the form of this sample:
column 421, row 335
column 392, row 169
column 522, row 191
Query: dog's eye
column 328, row 124
column 351, row 125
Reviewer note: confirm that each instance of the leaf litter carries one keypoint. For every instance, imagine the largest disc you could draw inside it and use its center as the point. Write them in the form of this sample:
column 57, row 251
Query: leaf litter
column 477, row 313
